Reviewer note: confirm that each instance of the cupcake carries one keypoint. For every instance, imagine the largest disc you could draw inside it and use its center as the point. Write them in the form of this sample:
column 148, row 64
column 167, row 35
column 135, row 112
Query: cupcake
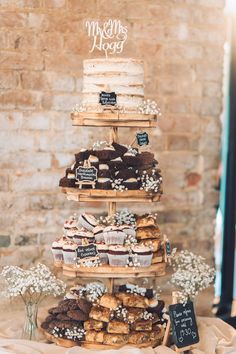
column 131, row 159
column 142, row 255
column 87, row 221
column 113, row 235
column 83, row 234
column 70, row 223
column 57, row 247
column 102, row 249
column 98, row 233
column 128, row 230
column 118, row 256
column 71, row 232
column 69, row 252
column 103, row 183
column 131, row 183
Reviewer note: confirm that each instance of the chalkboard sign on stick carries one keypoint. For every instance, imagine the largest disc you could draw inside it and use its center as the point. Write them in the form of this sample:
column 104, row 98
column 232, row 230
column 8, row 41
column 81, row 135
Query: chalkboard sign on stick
column 184, row 325
column 87, row 253
column 86, row 174
column 107, row 98
column 142, row 139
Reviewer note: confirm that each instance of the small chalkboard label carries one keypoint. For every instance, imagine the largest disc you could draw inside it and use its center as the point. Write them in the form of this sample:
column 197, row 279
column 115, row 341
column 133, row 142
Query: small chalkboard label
column 168, row 248
column 142, row 139
column 87, row 251
column 184, row 325
column 107, row 98
column 86, row 174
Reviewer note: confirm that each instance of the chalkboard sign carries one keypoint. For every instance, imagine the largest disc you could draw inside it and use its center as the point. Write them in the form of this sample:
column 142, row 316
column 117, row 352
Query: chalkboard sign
column 168, row 248
column 184, row 326
column 87, row 251
column 86, row 174
column 107, row 98
column 142, row 139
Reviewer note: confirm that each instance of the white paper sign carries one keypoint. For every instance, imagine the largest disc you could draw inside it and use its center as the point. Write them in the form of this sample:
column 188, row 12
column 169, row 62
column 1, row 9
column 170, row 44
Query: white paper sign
column 108, row 36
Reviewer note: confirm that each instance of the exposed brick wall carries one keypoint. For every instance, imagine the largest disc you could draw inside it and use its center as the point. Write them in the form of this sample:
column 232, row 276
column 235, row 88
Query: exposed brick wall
column 43, row 43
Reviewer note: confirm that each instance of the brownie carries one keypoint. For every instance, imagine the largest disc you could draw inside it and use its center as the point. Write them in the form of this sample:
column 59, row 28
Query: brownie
column 132, row 185
column 63, row 324
column 116, row 165
column 82, row 155
column 67, row 304
column 103, row 185
column 157, row 309
column 84, row 305
column 104, row 173
column 146, row 158
column 65, row 182
column 120, row 148
column 45, row 325
column 131, row 160
column 126, row 173
column 106, row 155
column 78, row 315
column 63, row 317
column 55, row 310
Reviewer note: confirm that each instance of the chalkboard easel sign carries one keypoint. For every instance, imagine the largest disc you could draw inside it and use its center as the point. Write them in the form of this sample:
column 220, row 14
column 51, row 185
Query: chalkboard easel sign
column 87, row 252
column 107, row 98
column 86, row 174
column 184, row 325
column 142, row 139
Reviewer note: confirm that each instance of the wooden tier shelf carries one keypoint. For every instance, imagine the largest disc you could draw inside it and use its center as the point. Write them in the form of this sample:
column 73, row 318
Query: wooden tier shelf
column 109, row 272
column 67, row 343
column 101, row 195
column 116, row 119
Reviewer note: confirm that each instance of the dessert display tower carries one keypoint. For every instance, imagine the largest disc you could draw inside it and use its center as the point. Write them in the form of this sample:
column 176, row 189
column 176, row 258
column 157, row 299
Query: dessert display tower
column 113, row 120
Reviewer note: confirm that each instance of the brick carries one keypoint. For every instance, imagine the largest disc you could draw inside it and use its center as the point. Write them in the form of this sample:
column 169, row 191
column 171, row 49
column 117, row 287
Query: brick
column 37, row 20
column 65, row 102
column 59, row 83
column 211, row 106
column 178, row 51
column 212, row 89
column 4, row 183
column 179, row 142
column 23, row 240
column 35, row 181
column 193, row 179
column 22, row 40
column 61, row 160
column 209, row 71
column 13, row 141
column 72, row 45
column 21, row 61
column 21, row 3
column 178, row 105
column 5, row 240
column 35, row 160
column 36, row 121
column 20, row 99
column 64, row 63
column 78, row 5
column 12, row 19
column 42, row 202
column 54, row 3
column 8, row 79
column 211, row 125
column 10, row 120
column 175, row 160
column 50, row 42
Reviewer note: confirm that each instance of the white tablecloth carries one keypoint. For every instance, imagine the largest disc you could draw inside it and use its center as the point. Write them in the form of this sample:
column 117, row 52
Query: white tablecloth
column 215, row 337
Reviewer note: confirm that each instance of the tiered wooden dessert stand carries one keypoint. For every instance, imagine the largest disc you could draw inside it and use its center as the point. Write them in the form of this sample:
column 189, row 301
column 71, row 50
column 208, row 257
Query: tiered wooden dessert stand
column 112, row 120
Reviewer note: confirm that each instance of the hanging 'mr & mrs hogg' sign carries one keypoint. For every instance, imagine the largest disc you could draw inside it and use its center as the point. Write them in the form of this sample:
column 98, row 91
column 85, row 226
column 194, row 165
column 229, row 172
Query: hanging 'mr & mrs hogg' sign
column 108, row 37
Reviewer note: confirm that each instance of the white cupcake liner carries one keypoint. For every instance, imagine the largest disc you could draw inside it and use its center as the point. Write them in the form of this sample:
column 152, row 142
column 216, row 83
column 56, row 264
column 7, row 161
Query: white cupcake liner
column 85, row 224
column 99, row 238
column 118, row 260
column 69, row 257
column 142, row 260
column 57, row 255
column 114, row 238
column 103, row 257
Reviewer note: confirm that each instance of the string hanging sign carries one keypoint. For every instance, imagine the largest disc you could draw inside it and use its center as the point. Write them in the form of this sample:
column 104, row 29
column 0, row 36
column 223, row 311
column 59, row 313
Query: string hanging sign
column 108, row 37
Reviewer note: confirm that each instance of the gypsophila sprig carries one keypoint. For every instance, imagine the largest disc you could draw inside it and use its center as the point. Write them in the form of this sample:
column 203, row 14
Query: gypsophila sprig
column 78, row 108
column 191, row 275
column 118, row 186
column 33, row 284
column 149, row 107
column 150, row 183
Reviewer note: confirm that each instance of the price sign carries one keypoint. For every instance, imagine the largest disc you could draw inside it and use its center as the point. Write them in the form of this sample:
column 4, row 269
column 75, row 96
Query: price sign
column 87, row 251
column 142, row 139
column 86, row 174
column 168, row 248
column 184, row 325
column 107, row 98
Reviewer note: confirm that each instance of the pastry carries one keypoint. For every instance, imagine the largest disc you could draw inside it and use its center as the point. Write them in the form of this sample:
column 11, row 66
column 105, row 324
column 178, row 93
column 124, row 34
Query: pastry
column 113, row 235
column 98, row 233
column 57, row 247
column 118, row 256
column 69, row 252
column 145, row 220
column 77, row 315
column 100, row 313
column 118, row 327
column 103, row 183
column 143, row 233
column 71, row 232
column 83, row 234
column 115, row 339
column 110, row 301
column 87, row 221
column 134, row 314
column 63, row 324
column 102, row 249
column 139, row 337
column 128, row 230
column 70, row 223
column 142, row 255
column 93, row 325
column 94, row 336
column 142, row 325
column 158, row 256
column 133, row 300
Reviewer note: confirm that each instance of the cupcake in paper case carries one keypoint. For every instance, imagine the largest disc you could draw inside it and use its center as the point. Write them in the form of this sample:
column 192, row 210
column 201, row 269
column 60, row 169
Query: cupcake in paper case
column 83, row 234
column 71, row 233
column 70, row 224
column 69, row 252
column 98, row 233
column 88, row 221
column 118, row 256
column 57, row 247
column 128, row 230
column 142, row 255
column 113, row 235
column 102, row 249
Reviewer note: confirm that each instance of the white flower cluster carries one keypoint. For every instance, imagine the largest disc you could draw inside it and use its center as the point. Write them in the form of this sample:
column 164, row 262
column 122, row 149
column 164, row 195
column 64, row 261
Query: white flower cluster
column 149, row 107
column 132, row 150
column 130, row 240
column 135, row 289
column 147, row 316
column 118, row 186
column 74, row 334
column 90, row 263
column 133, row 262
column 150, row 183
column 34, row 283
column 78, row 108
column 124, row 217
column 191, row 275
column 100, row 145
column 92, row 291
column 121, row 313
